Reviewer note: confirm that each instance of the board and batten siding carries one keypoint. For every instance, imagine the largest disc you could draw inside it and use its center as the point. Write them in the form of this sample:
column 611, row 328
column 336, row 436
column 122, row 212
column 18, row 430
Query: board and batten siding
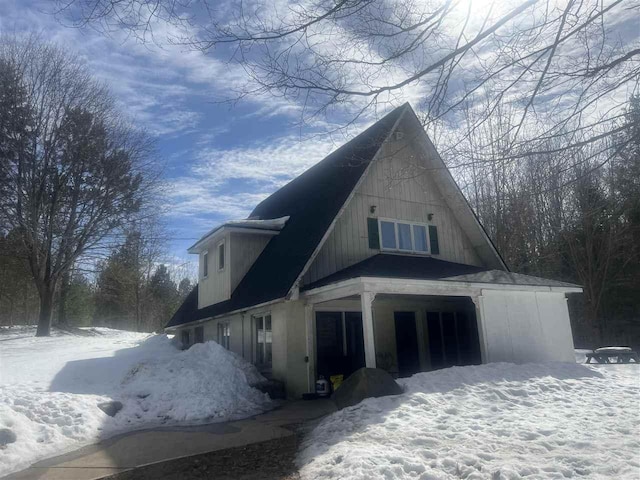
column 400, row 187
column 217, row 286
column 523, row 327
column 244, row 250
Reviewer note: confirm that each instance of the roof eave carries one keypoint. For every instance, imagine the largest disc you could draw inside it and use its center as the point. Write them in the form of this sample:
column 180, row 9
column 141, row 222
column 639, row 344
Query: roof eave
column 380, row 284
column 222, row 229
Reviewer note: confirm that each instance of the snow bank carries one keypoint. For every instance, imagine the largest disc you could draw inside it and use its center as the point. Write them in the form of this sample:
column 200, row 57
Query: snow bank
column 204, row 383
column 496, row 421
column 50, row 388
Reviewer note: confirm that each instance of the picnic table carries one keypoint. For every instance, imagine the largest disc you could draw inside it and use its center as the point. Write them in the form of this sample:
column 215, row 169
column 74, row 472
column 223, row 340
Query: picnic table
column 605, row 354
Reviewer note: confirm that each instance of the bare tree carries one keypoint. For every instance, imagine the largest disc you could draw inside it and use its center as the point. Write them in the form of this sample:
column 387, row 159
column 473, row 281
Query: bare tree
column 73, row 170
column 563, row 64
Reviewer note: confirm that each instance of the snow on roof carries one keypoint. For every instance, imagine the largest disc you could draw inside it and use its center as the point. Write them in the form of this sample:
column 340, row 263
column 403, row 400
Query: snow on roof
column 269, row 224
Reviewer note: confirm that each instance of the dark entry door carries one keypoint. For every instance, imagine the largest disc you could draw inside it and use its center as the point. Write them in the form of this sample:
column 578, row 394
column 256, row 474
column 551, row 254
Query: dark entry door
column 339, row 343
column 354, row 357
column 453, row 339
column 407, row 343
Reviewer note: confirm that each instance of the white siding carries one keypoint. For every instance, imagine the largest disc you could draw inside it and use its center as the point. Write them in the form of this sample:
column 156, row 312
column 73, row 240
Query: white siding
column 217, row 286
column 525, row 327
column 288, row 337
column 244, row 250
column 400, row 187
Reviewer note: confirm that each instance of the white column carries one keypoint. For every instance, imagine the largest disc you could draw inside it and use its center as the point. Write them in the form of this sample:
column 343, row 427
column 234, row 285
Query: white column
column 484, row 350
column 308, row 320
column 366, row 299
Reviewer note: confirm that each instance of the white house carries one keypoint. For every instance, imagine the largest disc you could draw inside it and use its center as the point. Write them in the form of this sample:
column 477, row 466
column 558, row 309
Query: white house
column 372, row 257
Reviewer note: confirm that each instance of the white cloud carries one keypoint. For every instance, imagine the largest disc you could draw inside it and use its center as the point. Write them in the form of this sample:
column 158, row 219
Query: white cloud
column 228, row 183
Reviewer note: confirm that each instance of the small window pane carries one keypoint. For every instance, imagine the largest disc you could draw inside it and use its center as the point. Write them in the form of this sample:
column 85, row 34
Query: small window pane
column 221, row 256
column 185, row 339
column 263, row 341
column 199, row 335
column 205, row 264
column 404, row 236
column 419, row 238
column 388, row 230
column 267, row 356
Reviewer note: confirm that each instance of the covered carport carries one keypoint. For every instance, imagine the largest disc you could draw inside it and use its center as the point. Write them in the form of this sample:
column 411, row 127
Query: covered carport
column 481, row 317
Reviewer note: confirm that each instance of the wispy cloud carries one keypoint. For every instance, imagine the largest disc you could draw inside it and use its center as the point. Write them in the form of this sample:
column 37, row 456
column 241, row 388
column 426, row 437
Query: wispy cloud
column 228, row 183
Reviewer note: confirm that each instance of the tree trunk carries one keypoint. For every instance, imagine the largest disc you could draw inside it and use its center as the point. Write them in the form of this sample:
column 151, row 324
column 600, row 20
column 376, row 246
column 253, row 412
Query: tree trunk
column 62, row 299
column 46, row 311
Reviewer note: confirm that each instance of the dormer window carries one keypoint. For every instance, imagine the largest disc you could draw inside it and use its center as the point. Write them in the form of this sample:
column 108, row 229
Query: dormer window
column 221, row 259
column 205, row 264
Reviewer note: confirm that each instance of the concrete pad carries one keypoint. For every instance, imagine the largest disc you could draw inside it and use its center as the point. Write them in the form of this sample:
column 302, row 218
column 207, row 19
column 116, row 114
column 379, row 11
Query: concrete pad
column 144, row 447
column 298, row 412
column 35, row 473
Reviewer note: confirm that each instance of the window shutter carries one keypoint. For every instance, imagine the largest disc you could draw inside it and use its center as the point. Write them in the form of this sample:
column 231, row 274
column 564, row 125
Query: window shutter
column 433, row 238
column 374, row 234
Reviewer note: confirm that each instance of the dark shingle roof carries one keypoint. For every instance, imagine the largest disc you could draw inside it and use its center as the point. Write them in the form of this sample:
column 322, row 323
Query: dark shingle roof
column 429, row 268
column 399, row 266
column 510, row 278
column 312, row 201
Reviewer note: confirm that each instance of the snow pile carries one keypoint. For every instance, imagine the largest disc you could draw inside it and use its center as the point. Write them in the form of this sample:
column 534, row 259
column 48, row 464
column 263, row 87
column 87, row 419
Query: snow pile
column 203, row 383
column 496, row 421
column 50, row 388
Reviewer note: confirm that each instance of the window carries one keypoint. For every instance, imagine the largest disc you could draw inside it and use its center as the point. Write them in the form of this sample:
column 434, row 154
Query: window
column 221, row 256
column 224, row 334
column 406, row 237
column 420, row 238
column 198, row 335
column 388, row 234
column 186, row 341
column 205, row 264
column 263, row 341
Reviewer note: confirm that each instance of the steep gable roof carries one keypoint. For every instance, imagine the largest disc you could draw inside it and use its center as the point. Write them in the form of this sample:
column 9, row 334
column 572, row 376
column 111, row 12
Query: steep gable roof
column 454, row 197
column 312, row 202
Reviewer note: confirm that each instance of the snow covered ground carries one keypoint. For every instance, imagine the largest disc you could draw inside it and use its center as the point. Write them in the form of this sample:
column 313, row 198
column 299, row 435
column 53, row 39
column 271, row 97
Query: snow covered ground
column 50, row 388
column 496, row 421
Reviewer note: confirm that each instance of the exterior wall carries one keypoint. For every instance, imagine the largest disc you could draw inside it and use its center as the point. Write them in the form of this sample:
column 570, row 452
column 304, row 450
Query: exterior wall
column 515, row 326
column 291, row 366
column 400, row 187
column 288, row 341
column 524, row 327
column 217, row 286
column 243, row 251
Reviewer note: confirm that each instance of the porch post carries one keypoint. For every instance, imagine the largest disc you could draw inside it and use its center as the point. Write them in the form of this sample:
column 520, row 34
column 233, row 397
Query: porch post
column 484, row 352
column 366, row 299
column 308, row 320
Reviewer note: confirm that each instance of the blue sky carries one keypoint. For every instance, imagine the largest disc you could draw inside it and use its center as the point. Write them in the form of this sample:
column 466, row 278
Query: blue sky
column 218, row 160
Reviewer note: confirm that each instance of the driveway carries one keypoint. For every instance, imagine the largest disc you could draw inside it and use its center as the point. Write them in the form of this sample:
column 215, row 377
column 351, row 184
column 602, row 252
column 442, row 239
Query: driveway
column 147, row 447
